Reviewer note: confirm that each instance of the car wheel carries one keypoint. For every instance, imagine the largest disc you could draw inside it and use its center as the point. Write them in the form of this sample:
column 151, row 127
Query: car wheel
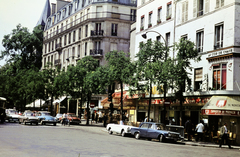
column 24, row 123
column 54, row 124
column 137, row 135
column 109, row 131
column 161, row 138
column 123, row 133
column 37, row 123
column 19, row 122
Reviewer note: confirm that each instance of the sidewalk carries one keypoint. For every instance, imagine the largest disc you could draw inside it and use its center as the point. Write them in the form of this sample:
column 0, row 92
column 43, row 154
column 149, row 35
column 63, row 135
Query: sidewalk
column 191, row 143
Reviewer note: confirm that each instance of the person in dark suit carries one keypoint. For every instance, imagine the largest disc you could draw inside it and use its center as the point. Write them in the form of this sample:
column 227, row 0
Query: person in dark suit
column 188, row 127
column 224, row 135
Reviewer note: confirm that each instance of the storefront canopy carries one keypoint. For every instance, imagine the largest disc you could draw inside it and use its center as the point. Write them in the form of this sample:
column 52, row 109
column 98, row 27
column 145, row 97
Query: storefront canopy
column 222, row 105
column 59, row 100
column 38, row 103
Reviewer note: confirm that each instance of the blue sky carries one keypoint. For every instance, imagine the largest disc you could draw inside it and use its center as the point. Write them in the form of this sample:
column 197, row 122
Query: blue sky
column 14, row 12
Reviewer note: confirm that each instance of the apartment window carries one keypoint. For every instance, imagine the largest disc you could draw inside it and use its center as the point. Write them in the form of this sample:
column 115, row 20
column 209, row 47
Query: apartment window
column 74, row 34
column 52, row 45
column 61, row 27
column 219, row 3
column 184, row 37
column 69, row 9
column 79, row 33
column 78, row 51
column 64, row 12
column 169, row 10
column 198, row 79
column 53, row 20
column 86, row 49
column 142, row 22
column 49, row 45
column 98, row 28
column 97, row 45
column 65, row 40
column 64, row 56
column 219, row 76
column 150, row 19
column 69, row 38
column 86, row 31
column 73, row 52
column 133, row 15
column 143, row 1
column 83, row 2
column 184, row 11
column 76, row 4
column 159, row 13
column 200, row 7
column 114, row 29
column 44, row 62
column 218, row 43
column 168, row 39
column 158, row 38
column 59, row 15
column 199, row 40
column 45, row 46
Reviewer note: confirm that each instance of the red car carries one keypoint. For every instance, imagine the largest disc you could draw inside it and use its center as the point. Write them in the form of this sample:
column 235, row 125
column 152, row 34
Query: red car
column 73, row 119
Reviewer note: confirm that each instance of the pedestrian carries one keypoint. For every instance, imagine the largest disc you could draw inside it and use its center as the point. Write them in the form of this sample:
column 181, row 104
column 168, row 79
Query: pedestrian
column 96, row 117
column 146, row 119
column 104, row 120
column 93, row 117
column 100, row 116
column 64, row 119
column 199, row 130
column 224, row 136
column 188, row 127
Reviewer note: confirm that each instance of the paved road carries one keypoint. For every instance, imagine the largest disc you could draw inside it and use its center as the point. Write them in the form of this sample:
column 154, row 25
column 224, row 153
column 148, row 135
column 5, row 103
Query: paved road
column 89, row 141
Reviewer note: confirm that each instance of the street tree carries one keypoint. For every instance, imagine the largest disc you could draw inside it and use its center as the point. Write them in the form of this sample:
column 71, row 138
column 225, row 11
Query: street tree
column 151, row 68
column 120, row 70
column 186, row 52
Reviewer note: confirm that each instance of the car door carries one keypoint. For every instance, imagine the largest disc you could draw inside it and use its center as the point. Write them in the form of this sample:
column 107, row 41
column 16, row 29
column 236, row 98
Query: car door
column 152, row 132
column 144, row 130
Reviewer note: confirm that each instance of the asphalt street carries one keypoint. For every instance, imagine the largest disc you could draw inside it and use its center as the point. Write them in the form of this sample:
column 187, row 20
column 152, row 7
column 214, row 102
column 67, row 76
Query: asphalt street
column 90, row 141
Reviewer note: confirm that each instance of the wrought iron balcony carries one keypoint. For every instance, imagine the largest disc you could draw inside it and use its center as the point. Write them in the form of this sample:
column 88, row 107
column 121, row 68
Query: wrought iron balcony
column 57, row 62
column 96, row 52
column 97, row 33
column 58, row 47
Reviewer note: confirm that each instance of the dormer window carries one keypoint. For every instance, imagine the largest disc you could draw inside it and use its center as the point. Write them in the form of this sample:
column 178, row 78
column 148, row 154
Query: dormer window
column 69, row 9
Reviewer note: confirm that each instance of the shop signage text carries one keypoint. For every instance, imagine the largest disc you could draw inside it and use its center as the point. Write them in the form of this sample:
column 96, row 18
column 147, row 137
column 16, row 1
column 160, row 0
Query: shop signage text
column 221, row 112
column 219, row 53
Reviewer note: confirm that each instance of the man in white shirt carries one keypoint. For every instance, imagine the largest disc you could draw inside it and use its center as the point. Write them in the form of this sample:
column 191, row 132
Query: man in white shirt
column 199, row 129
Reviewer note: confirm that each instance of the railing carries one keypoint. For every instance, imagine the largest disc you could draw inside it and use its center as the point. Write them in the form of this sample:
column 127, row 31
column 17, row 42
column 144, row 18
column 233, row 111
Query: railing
column 58, row 46
column 94, row 33
column 89, row 16
column 57, row 61
column 96, row 52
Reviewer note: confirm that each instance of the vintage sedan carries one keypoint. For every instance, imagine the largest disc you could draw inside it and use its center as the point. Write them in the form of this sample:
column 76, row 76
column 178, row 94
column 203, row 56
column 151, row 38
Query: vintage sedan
column 73, row 119
column 59, row 115
column 28, row 117
column 151, row 130
column 12, row 115
column 44, row 117
column 119, row 129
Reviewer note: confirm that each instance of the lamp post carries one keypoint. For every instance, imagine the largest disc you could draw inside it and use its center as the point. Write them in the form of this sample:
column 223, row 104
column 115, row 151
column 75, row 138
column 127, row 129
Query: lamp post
column 165, row 85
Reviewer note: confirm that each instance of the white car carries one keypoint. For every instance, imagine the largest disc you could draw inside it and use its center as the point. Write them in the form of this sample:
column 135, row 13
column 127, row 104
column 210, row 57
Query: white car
column 12, row 115
column 119, row 129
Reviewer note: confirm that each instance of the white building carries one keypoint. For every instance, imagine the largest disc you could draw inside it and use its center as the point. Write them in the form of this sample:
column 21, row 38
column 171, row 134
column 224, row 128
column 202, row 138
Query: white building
column 214, row 27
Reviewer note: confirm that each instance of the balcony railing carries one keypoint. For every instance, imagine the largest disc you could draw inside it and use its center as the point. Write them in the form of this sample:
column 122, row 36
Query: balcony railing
column 57, row 61
column 97, row 33
column 58, row 46
column 96, row 52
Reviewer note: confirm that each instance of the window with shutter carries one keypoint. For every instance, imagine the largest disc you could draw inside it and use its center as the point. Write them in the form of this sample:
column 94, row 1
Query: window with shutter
column 183, row 11
column 206, row 6
column 194, row 8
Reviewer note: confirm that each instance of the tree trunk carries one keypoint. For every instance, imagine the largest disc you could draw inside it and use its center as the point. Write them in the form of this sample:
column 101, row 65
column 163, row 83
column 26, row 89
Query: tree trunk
column 150, row 101
column 121, row 118
column 88, row 113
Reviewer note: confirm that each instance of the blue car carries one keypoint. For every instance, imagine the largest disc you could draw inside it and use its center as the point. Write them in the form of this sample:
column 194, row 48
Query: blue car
column 45, row 118
column 151, row 130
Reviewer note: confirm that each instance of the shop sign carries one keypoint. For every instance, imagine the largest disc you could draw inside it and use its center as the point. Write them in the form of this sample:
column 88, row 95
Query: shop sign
column 92, row 105
column 219, row 53
column 221, row 103
column 221, row 112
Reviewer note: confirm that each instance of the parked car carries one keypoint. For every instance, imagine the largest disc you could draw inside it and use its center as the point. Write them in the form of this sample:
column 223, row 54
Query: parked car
column 151, row 130
column 73, row 119
column 12, row 115
column 59, row 115
column 44, row 117
column 27, row 117
column 119, row 129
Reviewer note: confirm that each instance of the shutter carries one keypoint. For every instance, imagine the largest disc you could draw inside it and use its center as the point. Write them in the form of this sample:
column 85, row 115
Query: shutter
column 222, row 3
column 186, row 11
column 194, row 8
column 217, row 3
column 183, row 11
column 206, row 6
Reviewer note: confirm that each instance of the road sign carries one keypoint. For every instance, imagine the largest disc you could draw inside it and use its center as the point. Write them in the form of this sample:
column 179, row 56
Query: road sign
column 92, row 105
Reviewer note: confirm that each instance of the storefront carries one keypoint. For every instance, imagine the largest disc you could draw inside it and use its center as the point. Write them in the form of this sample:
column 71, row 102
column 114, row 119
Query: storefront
column 223, row 109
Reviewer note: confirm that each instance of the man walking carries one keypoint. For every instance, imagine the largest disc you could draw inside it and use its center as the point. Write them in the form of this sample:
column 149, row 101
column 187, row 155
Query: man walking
column 199, row 129
column 224, row 136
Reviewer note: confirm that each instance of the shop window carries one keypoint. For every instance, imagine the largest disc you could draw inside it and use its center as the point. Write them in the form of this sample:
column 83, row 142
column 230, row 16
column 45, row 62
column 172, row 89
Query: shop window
column 219, row 77
column 198, row 79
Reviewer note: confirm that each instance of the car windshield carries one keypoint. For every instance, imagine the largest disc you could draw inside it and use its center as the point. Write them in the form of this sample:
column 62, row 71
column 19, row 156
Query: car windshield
column 46, row 114
column 29, row 114
column 160, row 127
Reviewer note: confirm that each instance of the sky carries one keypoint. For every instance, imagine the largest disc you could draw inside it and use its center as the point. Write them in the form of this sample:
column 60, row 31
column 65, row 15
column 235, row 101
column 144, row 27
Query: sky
column 14, row 12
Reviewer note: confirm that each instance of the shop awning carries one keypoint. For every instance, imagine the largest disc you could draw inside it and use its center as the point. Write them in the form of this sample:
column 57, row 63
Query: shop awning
column 38, row 103
column 222, row 105
column 59, row 100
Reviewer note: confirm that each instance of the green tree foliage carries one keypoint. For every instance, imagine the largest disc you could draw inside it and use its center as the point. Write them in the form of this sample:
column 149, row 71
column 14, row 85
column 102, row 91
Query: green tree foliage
column 23, row 47
column 151, row 67
column 120, row 70
column 186, row 52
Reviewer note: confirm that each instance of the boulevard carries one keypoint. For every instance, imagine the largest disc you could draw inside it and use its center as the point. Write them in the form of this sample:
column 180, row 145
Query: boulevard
column 90, row 141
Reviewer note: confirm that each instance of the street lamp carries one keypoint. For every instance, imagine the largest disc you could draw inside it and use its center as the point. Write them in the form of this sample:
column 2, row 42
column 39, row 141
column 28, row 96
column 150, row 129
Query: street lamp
column 144, row 35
